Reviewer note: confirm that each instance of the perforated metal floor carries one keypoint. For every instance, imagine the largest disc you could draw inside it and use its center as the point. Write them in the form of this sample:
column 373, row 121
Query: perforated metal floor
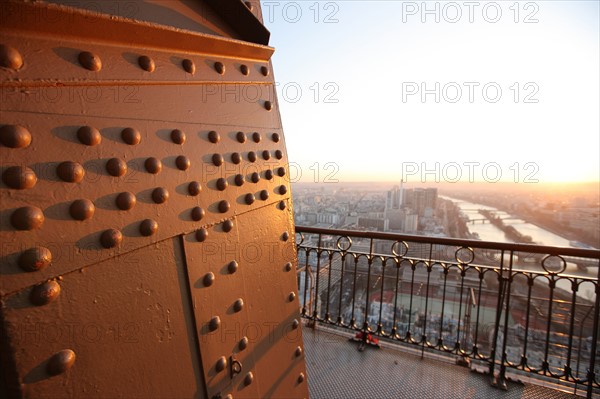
column 336, row 369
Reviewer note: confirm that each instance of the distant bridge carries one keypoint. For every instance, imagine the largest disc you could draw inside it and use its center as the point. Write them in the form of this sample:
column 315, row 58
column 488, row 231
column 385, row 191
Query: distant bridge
column 485, row 220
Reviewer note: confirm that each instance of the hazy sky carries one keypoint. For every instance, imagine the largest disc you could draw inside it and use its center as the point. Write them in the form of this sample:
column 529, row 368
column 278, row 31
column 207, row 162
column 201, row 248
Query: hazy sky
column 380, row 90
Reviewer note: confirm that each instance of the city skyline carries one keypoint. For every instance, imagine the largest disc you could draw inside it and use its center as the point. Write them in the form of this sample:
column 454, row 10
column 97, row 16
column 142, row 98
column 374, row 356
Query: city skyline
column 389, row 87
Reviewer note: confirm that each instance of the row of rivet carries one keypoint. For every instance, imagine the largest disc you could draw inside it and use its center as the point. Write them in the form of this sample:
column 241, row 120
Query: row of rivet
column 30, row 217
column 17, row 136
column 236, row 158
column 23, row 177
column 11, row 58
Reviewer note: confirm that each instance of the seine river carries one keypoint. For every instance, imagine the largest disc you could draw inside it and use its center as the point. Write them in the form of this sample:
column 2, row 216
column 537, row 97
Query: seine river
column 489, row 232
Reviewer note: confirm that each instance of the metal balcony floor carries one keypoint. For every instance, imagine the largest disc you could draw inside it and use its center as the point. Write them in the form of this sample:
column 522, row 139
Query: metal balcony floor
column 336, row 369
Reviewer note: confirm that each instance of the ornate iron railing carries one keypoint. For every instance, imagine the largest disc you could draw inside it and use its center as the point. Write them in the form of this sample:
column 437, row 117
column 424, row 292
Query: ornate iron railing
column 518, row 308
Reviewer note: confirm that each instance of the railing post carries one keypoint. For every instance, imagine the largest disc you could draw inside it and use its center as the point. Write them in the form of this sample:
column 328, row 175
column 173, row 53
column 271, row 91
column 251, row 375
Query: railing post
column 498, row 316
column 507, row 285
column 366, row 328
column 591, row 371
column 316, row 299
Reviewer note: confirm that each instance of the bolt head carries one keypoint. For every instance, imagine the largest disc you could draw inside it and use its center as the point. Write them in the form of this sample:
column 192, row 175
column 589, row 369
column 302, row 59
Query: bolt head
column 27, row 218
column 60, row 362
column 35, row 259
column 201, row 235
column 44, row 293
column 19, row 177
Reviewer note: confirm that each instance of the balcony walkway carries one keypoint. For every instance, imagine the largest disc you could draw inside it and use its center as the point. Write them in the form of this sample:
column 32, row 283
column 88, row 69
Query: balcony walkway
column 336, row 369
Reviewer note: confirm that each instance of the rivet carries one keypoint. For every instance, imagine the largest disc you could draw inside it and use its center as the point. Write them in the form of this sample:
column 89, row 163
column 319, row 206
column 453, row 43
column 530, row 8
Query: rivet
column 282, row 190
column 221, row 364
column 19, row 177
column 125, row 201
column 244, row 69
column 177, row 136
column 82, row 209
column 90, row 61
column 71, row 172
column 131, row 136
column 298, row 351
column 268, row 174
column 153, row 165
column 217, row 159
column 194, row 188
column 35, row 259
column 275, row 137
column 239, row 180
column 10, row 58
column 288, row 266
column 249, row 5
column 291, row 296
column 148, row 227
column 256, row 137
column 241, row 137
column 27, row 218
column 189, row 66
column 295, row 324
column 301, row 378
column 44, row 293
column 219, row 67
column 268, row 105
column 254, row 177
column 249, row 199
column 221, row 183
column 160, row 195
column 285, row 236
column 146, row 63
column 15, row 136
column 197, row 214
column 243, row 344
column 201, row 235
column 214, row 137
column 238, row 305
column 182, row 162
column 111, row 238
column 227, row 226
column 264, row 195
column 264, row 70
column 236, row 158
column 252, row 156
column 60, row 362
column 266, row 155
column 248, row 378
column 282, row 205
column 281, row 171
column 232, row 267
column 214, row 323
column 209, row 279
column 116, row 167
column 224, row 206
column 278, row 154
column 89, row 135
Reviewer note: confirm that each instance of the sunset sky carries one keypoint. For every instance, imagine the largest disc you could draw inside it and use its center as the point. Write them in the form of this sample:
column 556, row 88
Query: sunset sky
column 517, row 86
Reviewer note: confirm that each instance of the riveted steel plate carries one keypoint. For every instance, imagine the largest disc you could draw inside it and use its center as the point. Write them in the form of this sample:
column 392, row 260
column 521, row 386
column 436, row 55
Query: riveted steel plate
column 260, row 277
column 127, row 141
column 126, row 319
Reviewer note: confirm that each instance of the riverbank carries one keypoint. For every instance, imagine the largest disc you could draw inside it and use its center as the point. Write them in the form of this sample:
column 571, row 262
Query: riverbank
column 533, row 220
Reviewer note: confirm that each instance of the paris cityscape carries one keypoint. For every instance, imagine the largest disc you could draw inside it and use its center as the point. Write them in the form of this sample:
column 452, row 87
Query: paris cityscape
column 425, row 296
